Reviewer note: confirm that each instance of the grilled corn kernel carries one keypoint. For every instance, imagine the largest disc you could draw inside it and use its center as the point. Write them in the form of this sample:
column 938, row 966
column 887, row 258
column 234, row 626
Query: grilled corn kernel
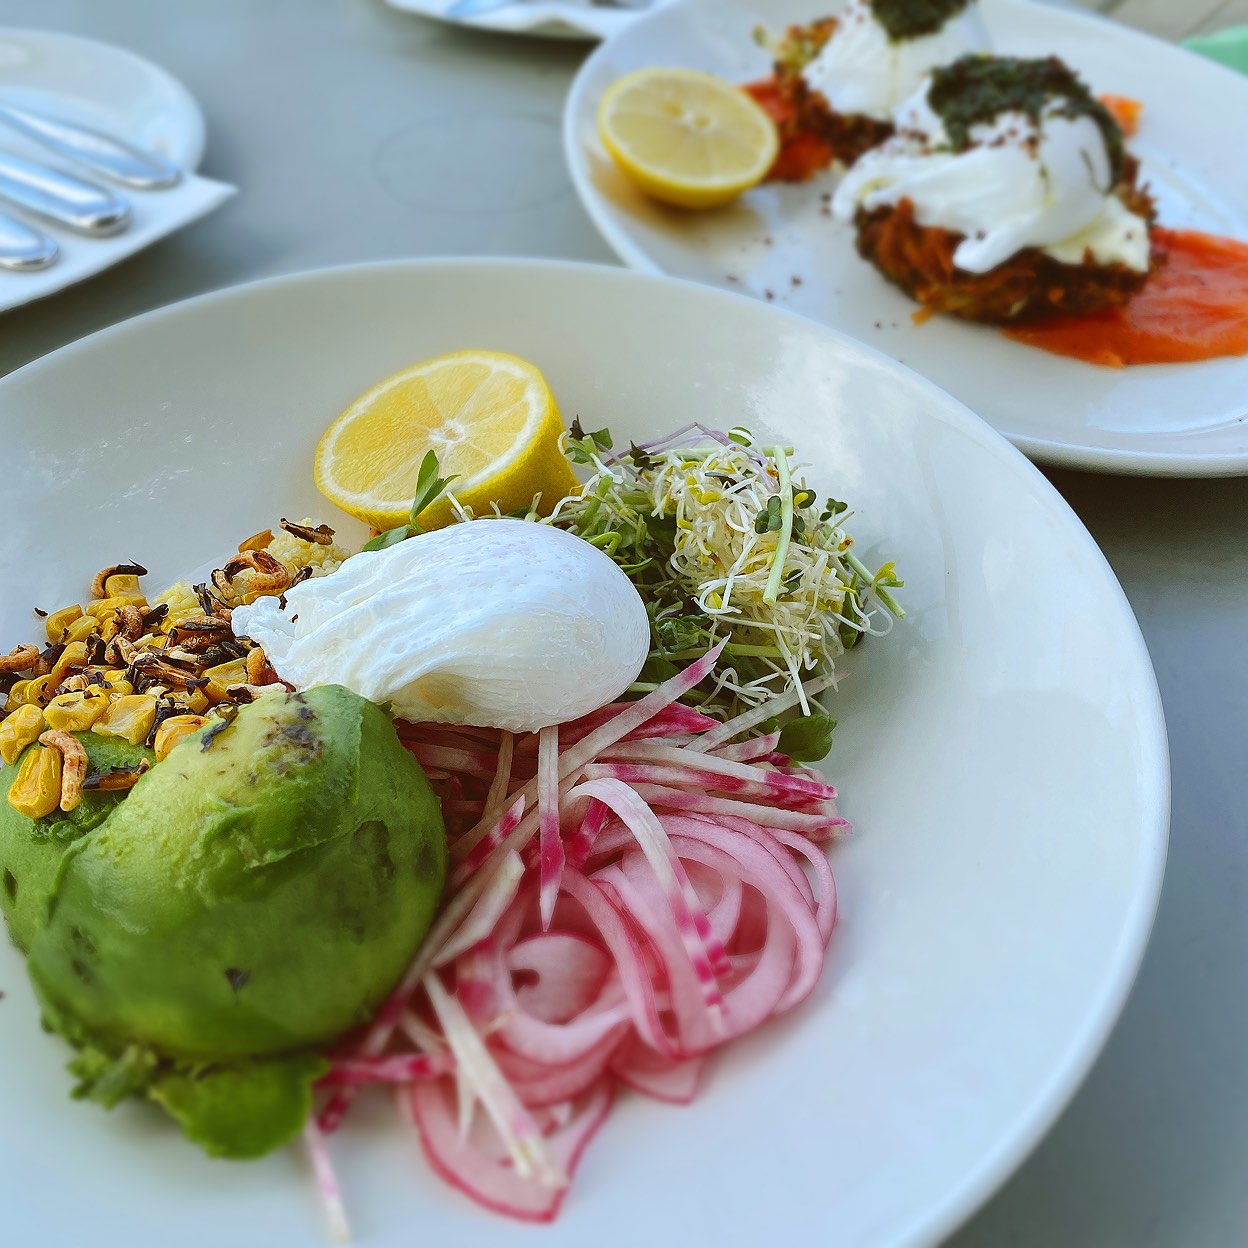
column 198, row 701
column 17, row 694
column 74, row 655
column 126, row 586
column 175, row 729
column 116, row 684
column 257, row 541
column 129, row 717
column 104, row 608
column 82, row 628
column 36, row 789
column 31, row 692
column 224, row 674
column 59, row 621
column 75, row 712
column 18, row 729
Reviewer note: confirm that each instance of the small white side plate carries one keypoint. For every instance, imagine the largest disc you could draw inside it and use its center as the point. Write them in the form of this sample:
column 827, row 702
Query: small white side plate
column 111, row 89
column 779, row 243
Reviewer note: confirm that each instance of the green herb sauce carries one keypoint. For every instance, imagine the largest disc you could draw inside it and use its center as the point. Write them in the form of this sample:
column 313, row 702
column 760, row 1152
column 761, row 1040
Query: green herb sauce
column 910, row 19
column 977, row 88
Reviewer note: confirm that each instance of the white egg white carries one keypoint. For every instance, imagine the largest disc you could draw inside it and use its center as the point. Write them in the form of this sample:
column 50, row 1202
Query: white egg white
column 1020, row 184
column 499, row 623
column 862, row 70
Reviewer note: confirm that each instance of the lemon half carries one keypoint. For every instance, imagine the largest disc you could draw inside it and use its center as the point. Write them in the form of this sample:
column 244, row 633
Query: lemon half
column 686, row 137
column 489, row 417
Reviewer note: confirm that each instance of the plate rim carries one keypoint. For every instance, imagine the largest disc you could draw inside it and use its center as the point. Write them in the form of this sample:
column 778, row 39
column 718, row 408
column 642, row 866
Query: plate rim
column 1084, row 1047
column 1060, row 453
column 573, row 25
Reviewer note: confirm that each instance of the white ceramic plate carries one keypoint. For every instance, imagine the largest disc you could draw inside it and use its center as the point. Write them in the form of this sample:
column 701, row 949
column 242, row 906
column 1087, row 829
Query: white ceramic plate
column 1002, row 756
column 1164, row 419
column 552, row 19
column 111, row 89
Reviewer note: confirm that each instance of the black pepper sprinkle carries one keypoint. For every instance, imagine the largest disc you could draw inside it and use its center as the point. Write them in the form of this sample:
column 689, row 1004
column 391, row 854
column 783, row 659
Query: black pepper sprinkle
column 769, row 294
column 205, row 742
column 41, row 613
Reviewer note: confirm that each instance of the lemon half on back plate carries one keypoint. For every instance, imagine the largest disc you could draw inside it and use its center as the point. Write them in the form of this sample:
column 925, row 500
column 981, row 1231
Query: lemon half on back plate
column 489, row 417
column 686, row 137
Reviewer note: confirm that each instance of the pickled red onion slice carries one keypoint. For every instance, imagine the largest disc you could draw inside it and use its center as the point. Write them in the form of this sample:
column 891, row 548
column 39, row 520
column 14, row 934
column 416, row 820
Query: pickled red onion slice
column 630, row 892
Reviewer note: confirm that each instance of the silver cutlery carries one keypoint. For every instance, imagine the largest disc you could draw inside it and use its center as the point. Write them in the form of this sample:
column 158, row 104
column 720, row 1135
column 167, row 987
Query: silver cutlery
column 23, row 249
column 102, row 153
column 61, row 197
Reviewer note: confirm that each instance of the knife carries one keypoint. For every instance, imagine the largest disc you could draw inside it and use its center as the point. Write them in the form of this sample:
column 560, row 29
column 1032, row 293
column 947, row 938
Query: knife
column 61, row 197
column 22, row 248
column 101, row 153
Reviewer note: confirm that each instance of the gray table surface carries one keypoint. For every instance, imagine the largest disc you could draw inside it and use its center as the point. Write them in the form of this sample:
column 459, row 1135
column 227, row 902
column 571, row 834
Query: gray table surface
column 344, row 123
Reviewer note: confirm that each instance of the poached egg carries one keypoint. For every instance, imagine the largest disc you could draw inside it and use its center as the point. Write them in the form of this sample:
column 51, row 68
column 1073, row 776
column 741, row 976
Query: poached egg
column 496, row 622
column 1021, row 183
column 862, row 69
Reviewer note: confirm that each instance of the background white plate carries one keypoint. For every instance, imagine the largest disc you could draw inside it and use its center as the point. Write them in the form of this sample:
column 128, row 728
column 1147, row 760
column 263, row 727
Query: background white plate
column 1189, row 419
column 554, row 19
column 1002, row 756
column 107, row 87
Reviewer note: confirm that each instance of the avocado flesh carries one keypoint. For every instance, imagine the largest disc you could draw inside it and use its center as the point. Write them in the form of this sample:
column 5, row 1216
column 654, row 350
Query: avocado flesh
column 31, row 849
column 256, row 894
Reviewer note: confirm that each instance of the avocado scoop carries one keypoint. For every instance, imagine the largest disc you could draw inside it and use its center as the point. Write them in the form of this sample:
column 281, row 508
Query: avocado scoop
column 256, row 895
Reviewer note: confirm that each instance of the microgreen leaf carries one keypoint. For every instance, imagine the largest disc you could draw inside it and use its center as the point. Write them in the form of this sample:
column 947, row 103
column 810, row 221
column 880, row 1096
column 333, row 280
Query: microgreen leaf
column 581, row 446
column 807, row 739
column 770, row 518
column 391, row 537
column 641, row 460
column 887, row 578
column 658, row 669
column 429, row 486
